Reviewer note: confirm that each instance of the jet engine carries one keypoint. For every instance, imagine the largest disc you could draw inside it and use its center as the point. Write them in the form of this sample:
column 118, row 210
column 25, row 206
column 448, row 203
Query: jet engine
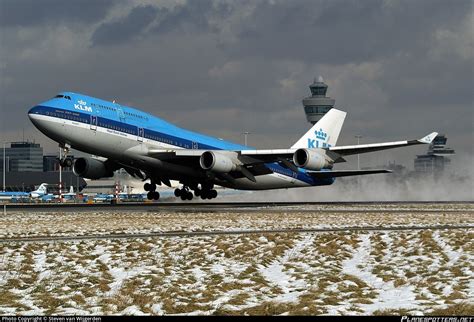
column 217, row 162
column 91, row 169
column 311, row 159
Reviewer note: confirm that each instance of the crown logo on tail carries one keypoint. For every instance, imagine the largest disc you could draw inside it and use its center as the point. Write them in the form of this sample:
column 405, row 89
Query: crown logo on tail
column 321, row 134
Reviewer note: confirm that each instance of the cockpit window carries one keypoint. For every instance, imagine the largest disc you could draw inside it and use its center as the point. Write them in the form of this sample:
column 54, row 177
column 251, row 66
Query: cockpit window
column 63, row 96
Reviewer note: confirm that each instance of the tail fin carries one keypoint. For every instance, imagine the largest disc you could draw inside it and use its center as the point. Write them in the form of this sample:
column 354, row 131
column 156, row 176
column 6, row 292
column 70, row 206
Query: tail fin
column 324, row 133
column 43, row 188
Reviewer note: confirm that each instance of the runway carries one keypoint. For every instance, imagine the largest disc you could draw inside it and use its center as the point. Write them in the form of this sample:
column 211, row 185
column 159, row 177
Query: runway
column 367, row 206
column 42, row 223
column 229, row 232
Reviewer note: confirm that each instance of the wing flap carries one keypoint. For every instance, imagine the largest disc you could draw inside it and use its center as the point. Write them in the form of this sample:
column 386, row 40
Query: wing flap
column 167, row 154
column 270, row 155
column 344, row 173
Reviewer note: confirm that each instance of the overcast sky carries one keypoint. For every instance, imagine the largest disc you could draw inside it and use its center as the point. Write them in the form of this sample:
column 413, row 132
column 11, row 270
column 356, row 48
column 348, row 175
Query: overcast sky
column 401, row 69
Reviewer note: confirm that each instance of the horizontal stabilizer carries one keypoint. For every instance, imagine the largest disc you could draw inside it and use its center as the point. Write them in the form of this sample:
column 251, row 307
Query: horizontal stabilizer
column 344, row 173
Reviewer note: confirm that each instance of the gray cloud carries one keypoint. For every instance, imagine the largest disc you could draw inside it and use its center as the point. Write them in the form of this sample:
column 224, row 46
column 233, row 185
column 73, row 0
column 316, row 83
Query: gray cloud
column 192, row 17
column 336, row 32
column 23, row 13
column 125, row 29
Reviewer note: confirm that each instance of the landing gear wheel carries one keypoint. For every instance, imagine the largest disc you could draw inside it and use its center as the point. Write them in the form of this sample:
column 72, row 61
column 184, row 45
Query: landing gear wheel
column 208, row 194
column 149, row 186
column 186, row 195
column 150, row 195
column 156, row 195
column 197, row 192
column 213, row 194
column 68, row 162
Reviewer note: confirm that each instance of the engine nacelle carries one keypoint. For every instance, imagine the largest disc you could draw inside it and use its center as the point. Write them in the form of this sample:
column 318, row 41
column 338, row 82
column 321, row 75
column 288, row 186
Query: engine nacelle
column 91, row 169
column 311, row 159
column 216, row 162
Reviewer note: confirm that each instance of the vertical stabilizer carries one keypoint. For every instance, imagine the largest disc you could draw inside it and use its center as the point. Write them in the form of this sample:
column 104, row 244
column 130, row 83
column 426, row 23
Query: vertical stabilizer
column 324, row 133
column 42, row 189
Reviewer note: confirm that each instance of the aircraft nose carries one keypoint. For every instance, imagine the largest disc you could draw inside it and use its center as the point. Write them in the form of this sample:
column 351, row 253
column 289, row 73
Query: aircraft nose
column 34, row 114
column 34, row 110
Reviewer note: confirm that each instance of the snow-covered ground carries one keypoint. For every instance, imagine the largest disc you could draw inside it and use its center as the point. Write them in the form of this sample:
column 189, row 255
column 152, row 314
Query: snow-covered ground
column 278, row 273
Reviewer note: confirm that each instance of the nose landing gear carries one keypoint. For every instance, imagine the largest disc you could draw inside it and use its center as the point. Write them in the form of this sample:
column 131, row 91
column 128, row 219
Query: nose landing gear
column 64, row 160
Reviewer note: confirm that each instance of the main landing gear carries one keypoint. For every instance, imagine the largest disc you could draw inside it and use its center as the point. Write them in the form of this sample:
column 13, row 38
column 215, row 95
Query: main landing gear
column 206, row 191
column 184, row 193
column 152, row 193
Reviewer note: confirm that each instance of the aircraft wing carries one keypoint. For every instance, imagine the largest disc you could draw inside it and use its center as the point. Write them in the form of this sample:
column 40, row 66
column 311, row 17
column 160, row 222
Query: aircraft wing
column 250, row 163
column 283, row 156
column 365, row 148
column 280, row 155
column 260, row 154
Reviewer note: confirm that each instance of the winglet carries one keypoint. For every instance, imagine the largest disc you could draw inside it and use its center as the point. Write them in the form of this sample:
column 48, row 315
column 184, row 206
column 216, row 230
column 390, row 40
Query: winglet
column 429, row 138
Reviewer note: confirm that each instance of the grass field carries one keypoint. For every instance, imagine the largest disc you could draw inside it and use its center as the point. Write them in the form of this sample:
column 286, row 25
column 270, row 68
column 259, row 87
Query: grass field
column 386, row 272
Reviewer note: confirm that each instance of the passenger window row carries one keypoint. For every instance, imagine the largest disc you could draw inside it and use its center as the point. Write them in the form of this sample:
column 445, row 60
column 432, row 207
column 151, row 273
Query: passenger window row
column 116, row 128
column 136, row 115
column 159, row 139
column 104, row 107
column 65, row 116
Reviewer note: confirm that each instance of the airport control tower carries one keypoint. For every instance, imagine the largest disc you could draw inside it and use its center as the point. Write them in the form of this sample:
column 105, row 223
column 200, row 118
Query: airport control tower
column 318, row 104
column 437, row 159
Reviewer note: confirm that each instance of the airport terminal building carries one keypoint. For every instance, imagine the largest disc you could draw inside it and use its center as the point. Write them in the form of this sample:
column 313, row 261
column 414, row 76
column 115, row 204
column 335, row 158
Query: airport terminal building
column 23, row 156
column 26, row 168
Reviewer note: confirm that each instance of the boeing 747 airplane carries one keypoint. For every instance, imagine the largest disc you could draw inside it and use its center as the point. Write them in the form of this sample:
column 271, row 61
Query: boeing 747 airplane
column 154, row 150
